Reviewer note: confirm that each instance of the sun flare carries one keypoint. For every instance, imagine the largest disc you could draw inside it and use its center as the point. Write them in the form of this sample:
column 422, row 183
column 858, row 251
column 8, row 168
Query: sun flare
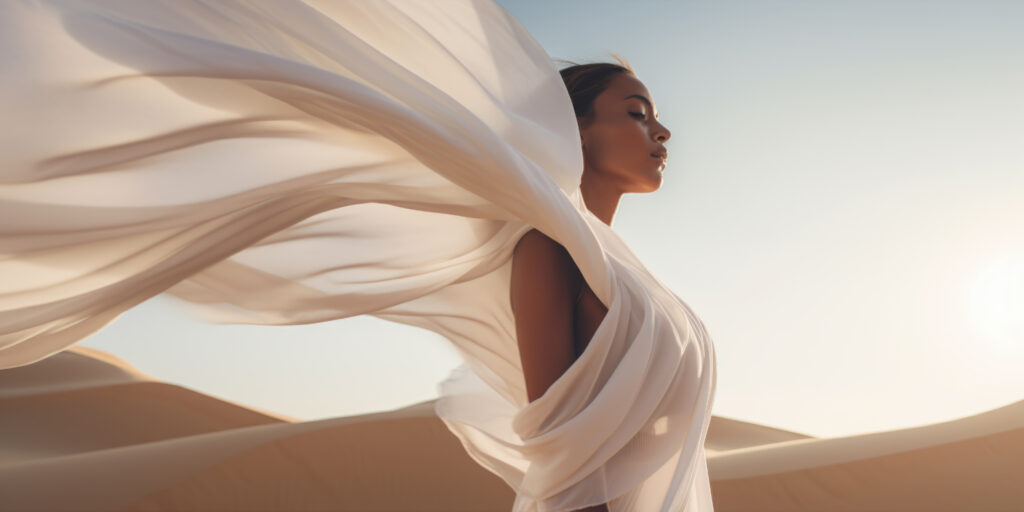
column 997, row 301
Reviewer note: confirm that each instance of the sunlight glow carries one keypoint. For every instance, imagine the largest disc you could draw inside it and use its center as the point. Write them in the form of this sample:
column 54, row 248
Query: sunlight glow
column 997, row 301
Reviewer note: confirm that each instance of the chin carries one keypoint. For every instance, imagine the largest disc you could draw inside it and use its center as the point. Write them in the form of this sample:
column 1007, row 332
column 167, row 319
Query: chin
column 648, row 185
column 645, row 188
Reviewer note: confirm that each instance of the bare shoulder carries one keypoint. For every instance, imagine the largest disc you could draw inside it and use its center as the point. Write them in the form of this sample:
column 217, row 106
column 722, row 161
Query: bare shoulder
column 537, row 249
column 536, row 243
column 542, row 270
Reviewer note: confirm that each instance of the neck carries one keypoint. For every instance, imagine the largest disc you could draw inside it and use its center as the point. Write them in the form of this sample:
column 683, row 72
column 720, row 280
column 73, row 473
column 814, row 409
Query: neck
column 600, row 196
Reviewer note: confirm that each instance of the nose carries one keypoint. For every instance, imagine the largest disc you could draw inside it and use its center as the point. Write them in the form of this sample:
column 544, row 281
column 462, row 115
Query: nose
column 662, row 134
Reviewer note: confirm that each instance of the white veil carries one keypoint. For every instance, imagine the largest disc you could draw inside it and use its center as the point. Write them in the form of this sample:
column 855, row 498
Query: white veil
column 298, row 162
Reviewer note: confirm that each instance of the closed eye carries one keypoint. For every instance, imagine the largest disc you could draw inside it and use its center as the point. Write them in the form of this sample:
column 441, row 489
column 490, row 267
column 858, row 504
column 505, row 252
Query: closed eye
column 640, row 114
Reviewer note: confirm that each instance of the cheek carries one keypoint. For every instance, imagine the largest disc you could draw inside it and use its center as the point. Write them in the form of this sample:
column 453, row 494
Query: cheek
column 618, row 145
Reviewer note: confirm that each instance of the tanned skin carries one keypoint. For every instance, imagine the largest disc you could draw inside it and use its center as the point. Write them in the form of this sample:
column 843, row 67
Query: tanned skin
column 552, row 328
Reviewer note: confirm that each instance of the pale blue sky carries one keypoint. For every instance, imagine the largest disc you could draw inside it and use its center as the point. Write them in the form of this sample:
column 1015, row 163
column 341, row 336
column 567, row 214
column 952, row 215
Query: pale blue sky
column 843, row 207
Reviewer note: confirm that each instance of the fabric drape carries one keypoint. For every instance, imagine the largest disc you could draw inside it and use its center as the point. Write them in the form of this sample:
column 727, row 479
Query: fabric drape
column 295, row 162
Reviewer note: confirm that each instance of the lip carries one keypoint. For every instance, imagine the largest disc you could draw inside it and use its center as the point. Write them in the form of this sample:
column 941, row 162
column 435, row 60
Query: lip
column 662, row 157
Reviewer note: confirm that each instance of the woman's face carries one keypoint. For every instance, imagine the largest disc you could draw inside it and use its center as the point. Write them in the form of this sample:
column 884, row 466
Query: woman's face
column 623, row 143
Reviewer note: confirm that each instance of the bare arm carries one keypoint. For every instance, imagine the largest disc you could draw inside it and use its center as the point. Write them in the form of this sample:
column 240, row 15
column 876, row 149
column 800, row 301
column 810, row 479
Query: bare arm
column 545, row 282
column 543, row 291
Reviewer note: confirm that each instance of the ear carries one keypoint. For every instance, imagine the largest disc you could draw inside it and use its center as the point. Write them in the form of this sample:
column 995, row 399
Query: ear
column 582, row 129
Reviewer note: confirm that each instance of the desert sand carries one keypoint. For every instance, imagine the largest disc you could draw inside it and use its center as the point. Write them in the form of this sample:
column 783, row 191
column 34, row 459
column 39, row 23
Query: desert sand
column 84, row 430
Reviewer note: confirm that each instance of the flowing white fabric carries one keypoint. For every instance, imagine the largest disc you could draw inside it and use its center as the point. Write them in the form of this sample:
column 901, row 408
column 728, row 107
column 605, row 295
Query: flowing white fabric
column 288, row 163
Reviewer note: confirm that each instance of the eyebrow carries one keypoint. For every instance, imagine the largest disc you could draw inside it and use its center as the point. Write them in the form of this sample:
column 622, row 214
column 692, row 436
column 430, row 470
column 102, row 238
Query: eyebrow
column 645, row 100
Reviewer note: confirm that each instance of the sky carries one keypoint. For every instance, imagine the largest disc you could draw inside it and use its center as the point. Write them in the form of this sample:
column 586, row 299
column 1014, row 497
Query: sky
column 843, row 207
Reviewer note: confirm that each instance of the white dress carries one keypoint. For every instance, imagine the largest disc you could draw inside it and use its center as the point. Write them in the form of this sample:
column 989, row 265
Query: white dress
column 284, row 162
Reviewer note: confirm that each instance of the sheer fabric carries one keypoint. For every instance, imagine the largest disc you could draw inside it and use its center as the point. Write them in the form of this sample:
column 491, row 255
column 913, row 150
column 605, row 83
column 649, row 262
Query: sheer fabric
column 297, row 162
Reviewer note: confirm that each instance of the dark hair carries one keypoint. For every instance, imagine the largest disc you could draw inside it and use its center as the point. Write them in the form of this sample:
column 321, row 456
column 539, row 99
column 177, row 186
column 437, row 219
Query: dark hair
column 586, row 81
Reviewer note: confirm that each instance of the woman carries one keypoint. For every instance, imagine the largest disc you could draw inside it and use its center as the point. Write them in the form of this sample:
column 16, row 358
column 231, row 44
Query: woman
column 556, row 313
column 296, row 162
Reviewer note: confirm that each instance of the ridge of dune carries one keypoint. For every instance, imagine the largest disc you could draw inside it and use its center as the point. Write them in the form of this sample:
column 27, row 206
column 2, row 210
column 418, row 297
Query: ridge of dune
column 80, row 367
column 106, row 357
column 968, row 464
column 726, row 434
column 74, row 368
column 808, row 453
column 94, row 418
column 390, row 463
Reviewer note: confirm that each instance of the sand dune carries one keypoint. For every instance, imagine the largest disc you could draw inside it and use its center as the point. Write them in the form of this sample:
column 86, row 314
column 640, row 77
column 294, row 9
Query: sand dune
column 726, row 434
column 974, row 463
column 83, row 430
column 77, row 368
